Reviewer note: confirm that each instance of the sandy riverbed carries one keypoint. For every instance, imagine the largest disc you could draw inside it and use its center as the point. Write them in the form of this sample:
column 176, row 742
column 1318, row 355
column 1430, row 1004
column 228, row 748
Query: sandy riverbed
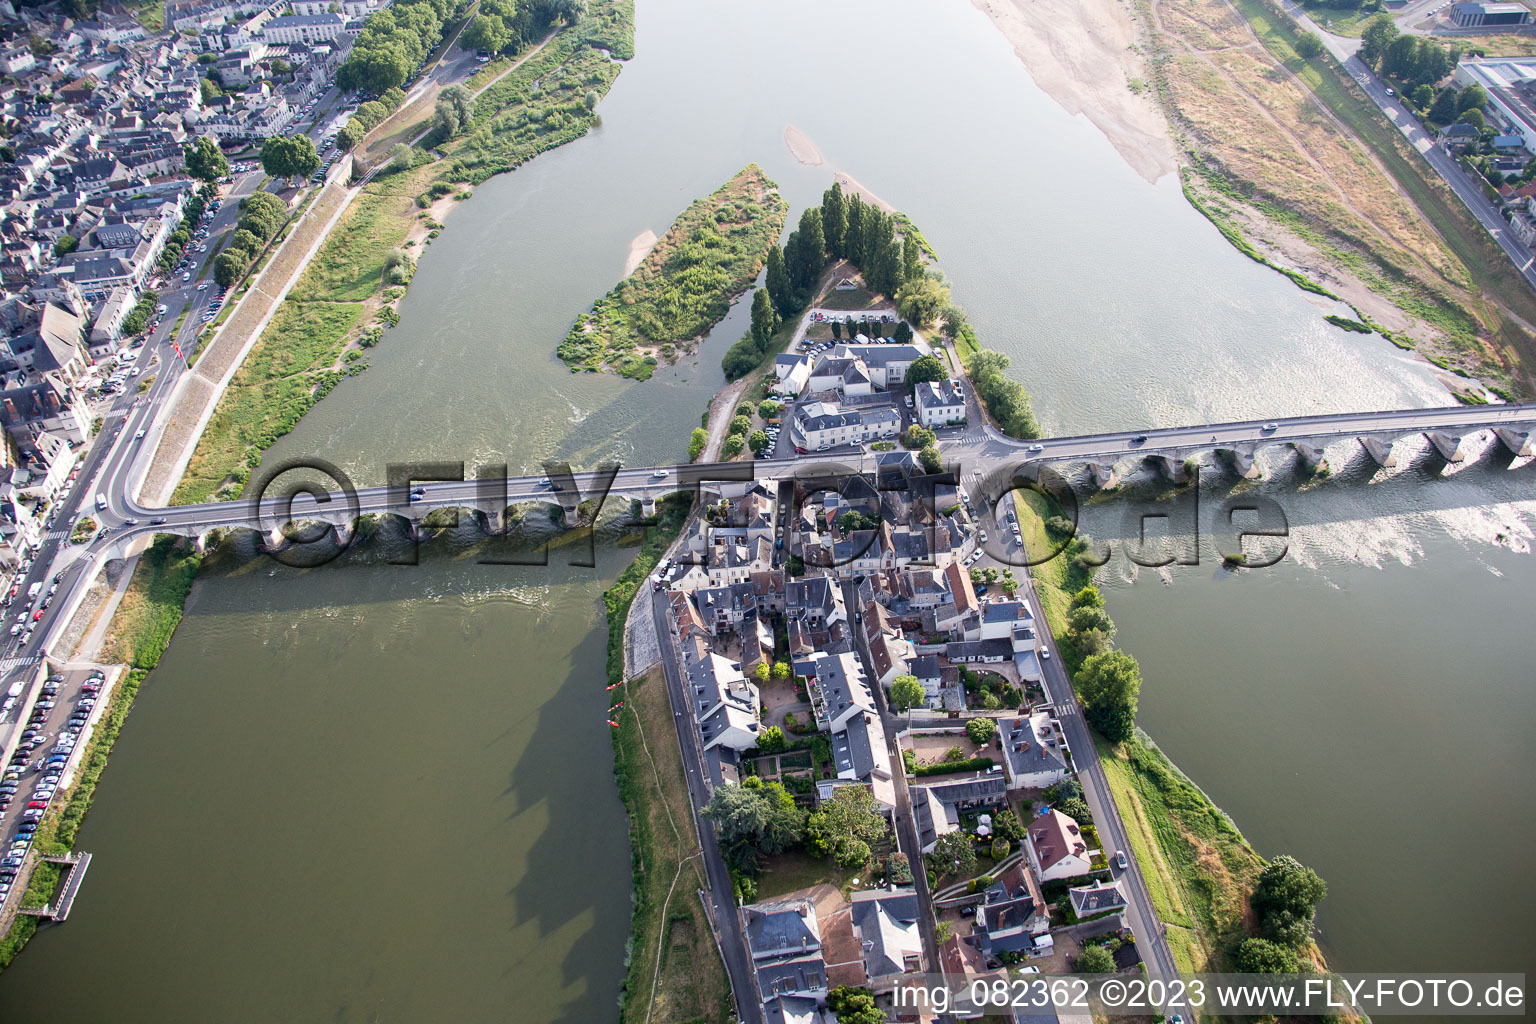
column 801, row 146
column 1084, row 54
column 641, row 247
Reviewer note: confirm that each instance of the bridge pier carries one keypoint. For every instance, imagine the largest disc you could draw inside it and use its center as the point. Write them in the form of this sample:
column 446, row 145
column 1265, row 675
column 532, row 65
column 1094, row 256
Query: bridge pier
column 1242, row 461
column 275, row 539
column 1104, row 477
column 1381, row 451
column 572, row 517
column 1448, row 447
column 1310, row 456
column 1172, row 468
column 1519, row 444
column 343, row 532
column 648, row 505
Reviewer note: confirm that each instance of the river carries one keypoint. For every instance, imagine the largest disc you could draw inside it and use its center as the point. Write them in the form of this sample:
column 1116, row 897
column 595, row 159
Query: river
column 375, row 792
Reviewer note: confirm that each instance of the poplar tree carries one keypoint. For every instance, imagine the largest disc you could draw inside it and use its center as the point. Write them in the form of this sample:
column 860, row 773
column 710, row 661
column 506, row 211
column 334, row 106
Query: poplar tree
column 834, row 218
column 911, row 259
column 779, row 288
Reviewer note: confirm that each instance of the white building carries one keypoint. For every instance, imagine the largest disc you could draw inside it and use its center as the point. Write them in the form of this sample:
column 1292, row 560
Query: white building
column 939, row 403
column 1056, row 847
column 819, row 425
column 302, row 28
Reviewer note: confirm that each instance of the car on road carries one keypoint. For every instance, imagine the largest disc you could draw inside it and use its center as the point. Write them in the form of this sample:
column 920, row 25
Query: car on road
column 1037, row 447
column 659, row 474
column 1120, row 861
column 1270, row 426
column 186, row 276
column 157, row 521
column 130, row 522
column 1045, row 652
column 1139, row 439
column 138, row 435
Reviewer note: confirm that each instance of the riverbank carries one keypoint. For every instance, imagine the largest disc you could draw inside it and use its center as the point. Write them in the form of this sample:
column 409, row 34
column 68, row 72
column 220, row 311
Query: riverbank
column 684, row 285
column 147, row 617
column 1198, row 867
column 1291, row 162
column 674, row 971
column 348, row 295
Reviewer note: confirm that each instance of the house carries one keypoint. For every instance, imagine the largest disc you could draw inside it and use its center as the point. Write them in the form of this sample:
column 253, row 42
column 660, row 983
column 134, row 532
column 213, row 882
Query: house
column 936, row 806
column 796, row 1010
column 302, row 28
column 885, row 921
column 784, row 939
column 1034, row 750
column 1056, row 847
column 988, row 652
column 793, row 372
column 1014, row 917
column 816, row 426
column 926, row 668
column 725, row 704
column 939, row 403
column 1486, row 15
column 1100, row 897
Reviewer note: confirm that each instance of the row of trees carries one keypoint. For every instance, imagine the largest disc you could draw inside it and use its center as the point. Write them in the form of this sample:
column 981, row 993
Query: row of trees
column 865, row 235
column 262, row 215
column 507, row 26
column 393, row 43
column 1416, row 60
column 177, row 243
column 1108, row 682
column 367, row 116
column 1005, row 399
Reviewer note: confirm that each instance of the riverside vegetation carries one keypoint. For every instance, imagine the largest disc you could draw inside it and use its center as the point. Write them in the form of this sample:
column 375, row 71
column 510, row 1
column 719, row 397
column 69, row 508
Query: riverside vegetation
column 896, row 261
column 1299, row 169
column 348, row 294
column 146, row 618
column 685, row 284
column 1201, row 873
column 673, row 972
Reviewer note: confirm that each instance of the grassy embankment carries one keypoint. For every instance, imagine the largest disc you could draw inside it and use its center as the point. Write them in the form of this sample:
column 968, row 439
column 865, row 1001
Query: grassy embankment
column 1298, row 168
column 343, row 297
column 1197, row 866
column 685, row 284
column 674, row 970
column 146, row 618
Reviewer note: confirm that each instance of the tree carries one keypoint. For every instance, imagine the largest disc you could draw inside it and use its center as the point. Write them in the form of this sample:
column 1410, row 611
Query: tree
column 209, row 90
column 289, row 157
column 1260, row 956
column 781, row 670
column 911, row 259
column 907, row 692
column 931, row 458
column 1401, row 59
column 921, row 300
column 981, row 730
column 486, row 32
column 733, row 446
column 1378, row 35
column 1286, row 899
column 903, row 332
column 65, row 245
column 1443, row 110
column 780, row 291
column 1088, row 597
column 351, row 134
column 739, row 425
column 758, row 441
column 1308, row 46
column 1108, row 684
column 1474, row 117
column 768, row 408
column 854, row 1006
column 753, row 819
column 771, row 740
column 567, row 11
column 697, row 443
column 401, row 157
column 1423, row 96
column 229, row 266
column 1080, row 620
column 954, row 855
column 1076, row 808
column 834, row 218
column 765, row 322
column 246, row 241
column 454, row 108
column 1005, row 825
column 837, row 329
column 205, row 160
column 924, row 369
column 1473, row 97
column 846, row 825
column 1094, row 960
column 806, row 256
column 919, row 437
column 761, row 672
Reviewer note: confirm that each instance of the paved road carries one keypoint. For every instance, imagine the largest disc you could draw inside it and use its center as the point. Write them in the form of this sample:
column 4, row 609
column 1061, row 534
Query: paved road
column 703, row 772
column 1468, row 189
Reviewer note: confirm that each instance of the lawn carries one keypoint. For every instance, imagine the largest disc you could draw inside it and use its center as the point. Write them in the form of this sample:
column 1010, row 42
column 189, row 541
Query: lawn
column 350, row 265
column 796, row 870
column 853, row 300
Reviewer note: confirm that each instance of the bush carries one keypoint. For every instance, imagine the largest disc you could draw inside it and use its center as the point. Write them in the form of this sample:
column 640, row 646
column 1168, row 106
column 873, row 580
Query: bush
column 697, row 443
column 733, row 446
column 981, row 730
column 975, row 764
column 1094, row 960
column 739, row 425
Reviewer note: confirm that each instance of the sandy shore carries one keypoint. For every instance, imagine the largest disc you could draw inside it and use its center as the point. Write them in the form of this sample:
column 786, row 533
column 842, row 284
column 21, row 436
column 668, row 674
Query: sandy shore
column 644, row 242
column 850, row 185
column 801, row 146
column 1083, row 54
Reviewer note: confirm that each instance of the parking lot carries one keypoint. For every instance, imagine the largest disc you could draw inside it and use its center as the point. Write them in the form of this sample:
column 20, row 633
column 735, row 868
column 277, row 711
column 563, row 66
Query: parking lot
column 43, row 741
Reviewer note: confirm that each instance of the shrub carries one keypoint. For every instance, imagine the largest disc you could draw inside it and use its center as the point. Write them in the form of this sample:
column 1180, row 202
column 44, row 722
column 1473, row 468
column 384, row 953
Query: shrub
column 981, row 730
column 975, row 764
